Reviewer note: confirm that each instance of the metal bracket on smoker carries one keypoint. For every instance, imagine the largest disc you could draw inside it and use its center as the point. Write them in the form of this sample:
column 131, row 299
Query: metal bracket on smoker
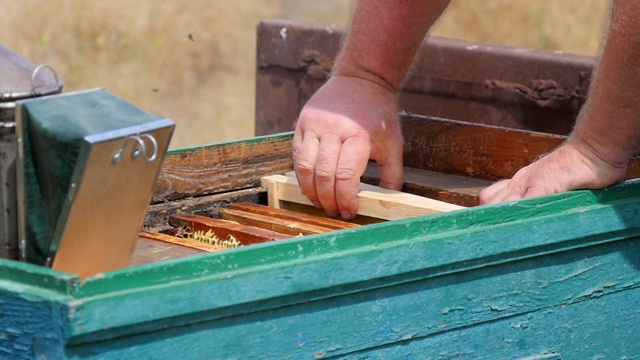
column 139, row 148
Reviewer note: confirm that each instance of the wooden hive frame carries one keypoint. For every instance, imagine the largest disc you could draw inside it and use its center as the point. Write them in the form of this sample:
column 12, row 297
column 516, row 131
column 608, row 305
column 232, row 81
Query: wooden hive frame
column 247, row 223
column 450, row 175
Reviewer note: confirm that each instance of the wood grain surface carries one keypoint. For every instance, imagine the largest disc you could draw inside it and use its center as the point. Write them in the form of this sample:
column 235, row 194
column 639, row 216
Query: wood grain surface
column 481, row 151
column 217, row 168
column 374, row 201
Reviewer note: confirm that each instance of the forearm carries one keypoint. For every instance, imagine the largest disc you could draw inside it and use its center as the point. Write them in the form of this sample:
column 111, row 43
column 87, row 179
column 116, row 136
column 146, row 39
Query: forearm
column 384, row 37
column 609, row 124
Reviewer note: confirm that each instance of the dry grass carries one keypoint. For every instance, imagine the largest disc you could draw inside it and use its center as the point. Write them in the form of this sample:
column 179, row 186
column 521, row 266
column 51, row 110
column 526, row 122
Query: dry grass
column 575, row 26
column 140, row 50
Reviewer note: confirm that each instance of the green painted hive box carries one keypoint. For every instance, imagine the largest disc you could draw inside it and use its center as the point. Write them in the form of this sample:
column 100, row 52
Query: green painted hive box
column 553, row 277
column 549, row 278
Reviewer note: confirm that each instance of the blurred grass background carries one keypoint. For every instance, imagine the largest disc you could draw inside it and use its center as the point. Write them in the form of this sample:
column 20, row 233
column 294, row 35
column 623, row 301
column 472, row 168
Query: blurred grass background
column 141, row 51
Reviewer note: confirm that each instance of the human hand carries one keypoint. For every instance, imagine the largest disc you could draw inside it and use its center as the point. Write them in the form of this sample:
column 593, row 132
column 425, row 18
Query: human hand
column 345, row 123
column 571, row 166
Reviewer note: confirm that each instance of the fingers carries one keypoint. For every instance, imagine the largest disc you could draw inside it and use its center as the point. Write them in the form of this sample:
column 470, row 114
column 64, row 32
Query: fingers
column 505, row 190
column 333, row 181
column 329, row 171
column 334, row 138
column 493, row 193
column 353, row 160
column 305, row 152
column 325, row 173
column 518, row 187
column 391, row 177
column 508, row 190
column 530, row 181
column 391, row 167
column 566, row 168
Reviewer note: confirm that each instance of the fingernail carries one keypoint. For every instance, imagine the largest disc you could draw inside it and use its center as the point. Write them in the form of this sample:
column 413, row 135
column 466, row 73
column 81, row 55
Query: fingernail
column 345, row 215
column 317, row 205
column 331, row 213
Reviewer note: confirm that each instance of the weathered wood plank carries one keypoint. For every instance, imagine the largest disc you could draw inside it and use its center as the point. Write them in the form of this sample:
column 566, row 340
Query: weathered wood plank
column 481, row 151
column 604, row 327
column 506, row 86
column 222, row 167
column 540, row 311
column 157, row 218
column 223, row 229
column 528, row 305
column 374, row 201
column 31, row 327
column 445, row 146
column 575, row 248
column 322, row 221
column 470, row 149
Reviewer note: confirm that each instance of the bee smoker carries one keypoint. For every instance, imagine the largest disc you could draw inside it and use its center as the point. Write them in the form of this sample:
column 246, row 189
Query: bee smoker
column 19, row 79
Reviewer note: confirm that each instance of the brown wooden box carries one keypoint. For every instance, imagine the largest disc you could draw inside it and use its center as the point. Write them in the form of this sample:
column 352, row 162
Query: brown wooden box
column 511, row 87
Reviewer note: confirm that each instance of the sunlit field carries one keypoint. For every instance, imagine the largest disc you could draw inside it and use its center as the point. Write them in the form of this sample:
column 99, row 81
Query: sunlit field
column 194, row 60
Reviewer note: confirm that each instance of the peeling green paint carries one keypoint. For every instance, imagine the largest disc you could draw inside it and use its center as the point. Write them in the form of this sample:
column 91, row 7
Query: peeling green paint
column 543, row 278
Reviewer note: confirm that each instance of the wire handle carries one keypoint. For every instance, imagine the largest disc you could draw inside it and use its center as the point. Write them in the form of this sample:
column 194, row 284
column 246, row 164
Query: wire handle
column 37, row 71
column 139, row 148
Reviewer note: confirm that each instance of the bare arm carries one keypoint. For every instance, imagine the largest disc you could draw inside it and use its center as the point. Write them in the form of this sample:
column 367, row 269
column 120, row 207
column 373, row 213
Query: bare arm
column 353, row 117
column 384, row 37
column 610, row 121
column 607, row 132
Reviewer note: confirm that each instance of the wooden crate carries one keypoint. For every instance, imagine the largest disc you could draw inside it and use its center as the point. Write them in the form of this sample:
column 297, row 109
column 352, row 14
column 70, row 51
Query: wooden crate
column 552, row 277
column 518, row 88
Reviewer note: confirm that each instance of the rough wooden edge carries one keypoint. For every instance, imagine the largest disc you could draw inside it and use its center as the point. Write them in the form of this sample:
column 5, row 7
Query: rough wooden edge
column 157, row 218
column 212, row 169
column 374, row 201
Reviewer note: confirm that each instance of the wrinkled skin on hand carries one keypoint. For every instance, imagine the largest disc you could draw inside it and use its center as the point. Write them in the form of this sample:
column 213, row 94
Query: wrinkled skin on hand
column 571, row 166
column 347, row 122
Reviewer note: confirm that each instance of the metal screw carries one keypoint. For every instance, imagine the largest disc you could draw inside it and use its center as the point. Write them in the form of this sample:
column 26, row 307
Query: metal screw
column 117, row 158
